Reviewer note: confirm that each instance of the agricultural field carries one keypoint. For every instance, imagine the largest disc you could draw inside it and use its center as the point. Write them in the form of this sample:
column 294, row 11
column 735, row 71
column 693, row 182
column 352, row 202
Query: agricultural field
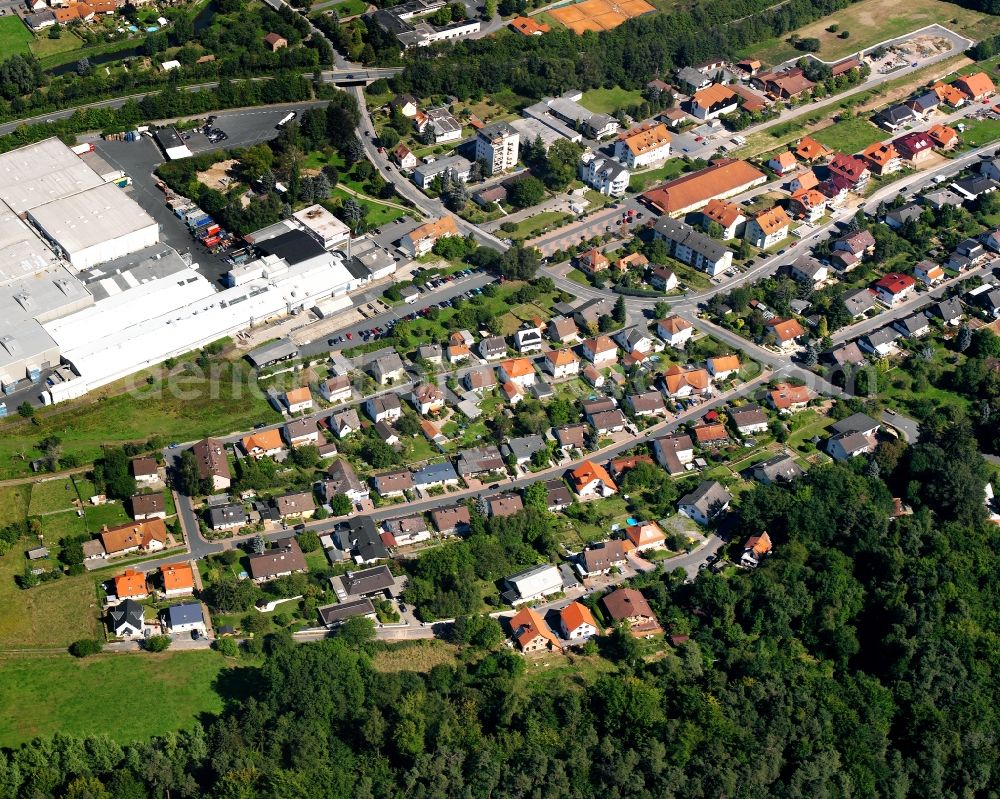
column 872, row 21
column 45, row 694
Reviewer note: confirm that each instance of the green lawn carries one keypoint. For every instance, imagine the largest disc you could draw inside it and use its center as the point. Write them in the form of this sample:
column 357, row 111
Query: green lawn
column 671, row 169
column 52, row 495
column 608, row 101
column 14, row 36
column 187, row 407
column 43, row 46
column 125, row 697
column 979, row 132
column 377, row 213
column 849, row 136
column 872, row 21
column 349, row 8
column 534, row 225
column 14, row 501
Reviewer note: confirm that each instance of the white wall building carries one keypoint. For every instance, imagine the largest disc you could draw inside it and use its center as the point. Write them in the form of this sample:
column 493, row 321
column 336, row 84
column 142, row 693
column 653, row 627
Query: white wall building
column 607, row 176
column 497, row 147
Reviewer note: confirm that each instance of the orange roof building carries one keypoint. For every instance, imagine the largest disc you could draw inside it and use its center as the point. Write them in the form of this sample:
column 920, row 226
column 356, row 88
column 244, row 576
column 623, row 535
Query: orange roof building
column 592, row 261
column 977, row 86
column 773, row 220
column 592, row 479
column 708, row 434
column 645, row 535
column 808, row 203
column 419, row 241
column 635, row 260
column 643, row 145
column 882, row 158
column 943, row 136
column 131, row 585
column 786, row 331
column 809, row 150
column 681, row 382
column 526, row 26
column 759, row 544
column 299, row 398
column 564, row 357
column 178, row 578
column 262, row 443
column 951, row 95
column 577, row 621
column 149, row 535
column 692, row 192
column 531, row 633
column 517, row 367
column 729, row 215
column 723, row 365
column 783, row 163
column 786, row 397
column 713, row 100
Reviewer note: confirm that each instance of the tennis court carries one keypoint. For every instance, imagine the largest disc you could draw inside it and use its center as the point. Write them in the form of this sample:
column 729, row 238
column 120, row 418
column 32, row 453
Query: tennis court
column 599, row 15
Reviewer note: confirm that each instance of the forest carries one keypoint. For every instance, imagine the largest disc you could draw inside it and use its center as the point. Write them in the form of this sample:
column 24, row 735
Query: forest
column 860, row 660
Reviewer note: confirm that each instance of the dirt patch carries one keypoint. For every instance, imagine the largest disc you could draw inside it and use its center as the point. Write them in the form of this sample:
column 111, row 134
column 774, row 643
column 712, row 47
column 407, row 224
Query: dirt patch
column 220, row 176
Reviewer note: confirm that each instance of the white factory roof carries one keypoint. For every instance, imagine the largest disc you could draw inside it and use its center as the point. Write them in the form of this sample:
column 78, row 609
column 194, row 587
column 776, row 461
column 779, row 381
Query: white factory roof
column 22, row 252
column 530, row 129
column 322, row 224
column 91, row 217
column 40, row 173
column 44, row 295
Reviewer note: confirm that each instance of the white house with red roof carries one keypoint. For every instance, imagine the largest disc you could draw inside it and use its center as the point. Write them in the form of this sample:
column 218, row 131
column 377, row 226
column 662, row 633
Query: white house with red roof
column 894, row 288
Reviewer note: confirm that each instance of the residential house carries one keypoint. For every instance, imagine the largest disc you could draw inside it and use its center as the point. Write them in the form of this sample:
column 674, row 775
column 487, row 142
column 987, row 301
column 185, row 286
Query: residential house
column 710, row 435
column 913, row 326
column 148, row 506
column 630, row 606
column 607, row 422
column 898, row 217
column 394, row 483
column 521, row 449
column 860, row 302
column 528, row 339
column 779, row 469
column 662, row 278
column 384, row 408
column 421, row 240
column 518, row 371
column 806, row 179
column 722, row 366
column 692, row 80
column 531, row 584
column 480, row 379
column 675, row 331
column 301, row 432
column 852, row 436
column 633, row 260
column 948, row 311
column 146, row 536
column 599, row 559
column 435, row 475
column 755, row 550
column 593, row 376
column 680, row 382
column 634, row 339
column 388, row 369
column 430, row 353
column 649, row 403
column 562, row 363
column 880, row 342
column 403, row 156
column 572, row 436
column 298, row 399
column 914, row 148
column 405, row 104
column 592, row 480
column 441, row 126
column 810, row 271
column 600, row 351
column 972, row 187
column 127, row 620
column 705, row 503
column 263, row 444
column 130, row 585
column 587, row 315
column 604, row 174
column 335, row 615
column 895, row 116
column 451, row 520
column 851, row 248
column 336, row 389
column 212, row 463
column 975, row 87
column 297, row 505
column 344, row 423
column 713, row 101
column 531, row 633
column 504, row 505
column 146, row 471
column 230, row 516
column 283, row 559
column 835, row 189
column 882, row 158
column 342, row 479
column 184, row 618
column 493, row 348
column 275, row 41
column 563, row 330
column 749, row 419
column 944, row 137
column 783, row 163
column 808, row 204
column 928, row 273
column 894, row 288
column 784, row 85
column 458, row 353
column 729, row 216
column 645, row 536
column 786, row 332
column 936, row 200
column 673, row 452
column 924, row 104
column 479, row 461
column 693, row 248
column 177, row 579
column 850, row 168
column 427, row 399
column 643, row 146
column 407, row 531
column 45, row 18
column 577, row 622
column 785, row 397
column 557, row 495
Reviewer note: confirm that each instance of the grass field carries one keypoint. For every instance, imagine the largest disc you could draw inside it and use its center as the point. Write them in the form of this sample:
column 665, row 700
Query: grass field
column 607, row 101
column 979, row 132
column 51, row 496
column 377, row 213
column 670, row 169
column 127, row 697
column 419, row 656
column 350, row 8
column 44, row 47
column 14, row 501
column 533, row 225
column 872, row 21
column 191, row 406
column 14, row 36
column 849, row 136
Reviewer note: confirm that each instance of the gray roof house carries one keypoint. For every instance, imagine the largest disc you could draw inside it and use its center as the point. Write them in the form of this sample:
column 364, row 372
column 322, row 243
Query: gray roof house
column 522, row 449
column 125, row 620
column 435, row 474
column 706, row 502
column 387, row 368
column 779, row 469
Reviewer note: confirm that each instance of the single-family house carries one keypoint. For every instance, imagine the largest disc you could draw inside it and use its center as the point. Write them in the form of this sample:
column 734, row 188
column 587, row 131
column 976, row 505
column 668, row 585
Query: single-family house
column 427, row 399
column 213, row 466
column 571, row 436
column 504, row 505
column 713, row 101
column 284, row 558
column 528, row 339
column 298, row 399
column 177, row 579
column 130, row 585
column 786, row 332
column 451, row 520
column 808, row 204
column 518, row 371
column 645, row 536
column 662, row 278
column 263, row 444
column 648, row 403
column 562, row 363
column 384, row 408
column 767, row 228
column 895, row 116
column 479, row 460
column 882, row 158
column 785, row 397
column 532, row 633
column 629, row 606
column 913, row 326
column 592, row 480
column 148, row 506
column 522, row 448
column 342, row 479
column 783, row 163
column 943, row 136
column 146, row 471
column 435, row 475
column 673, row 452
column 577, row 622
column 810, row 271
column 344, row 423
column 755, row 550
column 146, row 536
column 184, row 618
column 710, row 435
column 301, row 432
column 722, row 366
column 975, row 87
column 749, row 419
column 852, row 436
column 336, row 389
column 776, row 470
column 729, row 216
column 706, row 502
column 562, row 330
column 229, row 516
column 480, row 379
column 127, row 620
column 680, row 382
column 403, row 156
column 894, row 288
column 675, row 331
column 914, row 148
column 387, row 369
column 493, row 348
column 531, row 584
column 599, row 559
column 880, row 342
column 949, row 311
column 296, row 505
column 851, row 168
column 393, row 483
column 600, row 351
column 607, row 422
